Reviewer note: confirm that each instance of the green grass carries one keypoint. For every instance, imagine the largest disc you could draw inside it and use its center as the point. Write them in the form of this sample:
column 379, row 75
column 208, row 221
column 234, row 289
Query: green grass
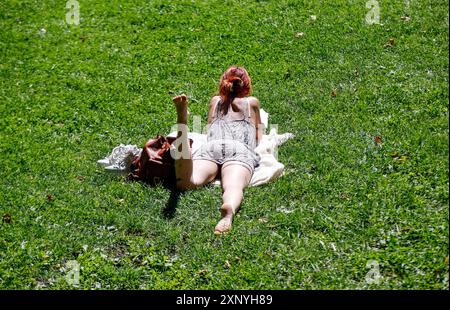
column 69, row 95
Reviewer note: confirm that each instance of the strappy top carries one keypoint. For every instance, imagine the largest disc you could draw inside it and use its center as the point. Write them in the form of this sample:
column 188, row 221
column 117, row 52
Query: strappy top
column 226, row 128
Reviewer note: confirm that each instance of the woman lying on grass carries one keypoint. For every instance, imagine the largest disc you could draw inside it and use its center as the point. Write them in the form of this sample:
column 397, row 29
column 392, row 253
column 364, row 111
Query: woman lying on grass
column 234, row 130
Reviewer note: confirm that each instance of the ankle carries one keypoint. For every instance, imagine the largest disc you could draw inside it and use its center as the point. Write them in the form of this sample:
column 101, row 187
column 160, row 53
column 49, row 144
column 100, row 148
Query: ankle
column 226, row 210
column 182, row 118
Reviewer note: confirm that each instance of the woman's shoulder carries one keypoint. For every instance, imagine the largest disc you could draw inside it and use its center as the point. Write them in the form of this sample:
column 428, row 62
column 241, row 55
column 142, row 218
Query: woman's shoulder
column 214, row 100
column 254, row 102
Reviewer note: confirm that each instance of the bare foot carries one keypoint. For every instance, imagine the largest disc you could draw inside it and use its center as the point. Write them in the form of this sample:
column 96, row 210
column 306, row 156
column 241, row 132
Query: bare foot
column 180, row 102
column 224, row 224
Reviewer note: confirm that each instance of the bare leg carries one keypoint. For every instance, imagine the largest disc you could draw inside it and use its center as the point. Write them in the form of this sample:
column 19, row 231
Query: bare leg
column 190, row 173
column 235, row 178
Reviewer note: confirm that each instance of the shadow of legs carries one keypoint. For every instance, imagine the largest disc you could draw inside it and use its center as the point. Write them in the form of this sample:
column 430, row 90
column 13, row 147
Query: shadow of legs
column 171, row 206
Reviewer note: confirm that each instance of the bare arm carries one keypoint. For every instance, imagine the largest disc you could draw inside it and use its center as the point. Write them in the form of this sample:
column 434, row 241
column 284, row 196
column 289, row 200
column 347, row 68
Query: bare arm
column 255, row 106
column 212, row 107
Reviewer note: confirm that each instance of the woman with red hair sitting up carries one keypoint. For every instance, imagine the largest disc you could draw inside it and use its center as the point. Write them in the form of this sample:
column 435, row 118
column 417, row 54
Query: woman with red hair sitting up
column 234, row 130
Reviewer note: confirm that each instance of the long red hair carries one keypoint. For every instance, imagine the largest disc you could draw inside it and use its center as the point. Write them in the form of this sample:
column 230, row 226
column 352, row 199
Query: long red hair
column 235, row 82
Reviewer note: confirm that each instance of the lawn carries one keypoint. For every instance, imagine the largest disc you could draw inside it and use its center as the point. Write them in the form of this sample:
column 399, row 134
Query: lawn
column 364, row 200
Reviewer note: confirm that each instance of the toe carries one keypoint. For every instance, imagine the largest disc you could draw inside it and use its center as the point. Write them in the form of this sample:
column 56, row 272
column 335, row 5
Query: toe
column 223, row 226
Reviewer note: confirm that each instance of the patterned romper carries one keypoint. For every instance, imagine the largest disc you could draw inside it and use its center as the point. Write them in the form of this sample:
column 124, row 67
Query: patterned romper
column 230, row 140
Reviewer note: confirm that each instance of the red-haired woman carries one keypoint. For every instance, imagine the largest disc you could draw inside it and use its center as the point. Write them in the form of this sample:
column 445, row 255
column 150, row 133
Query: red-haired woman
column 234, row 129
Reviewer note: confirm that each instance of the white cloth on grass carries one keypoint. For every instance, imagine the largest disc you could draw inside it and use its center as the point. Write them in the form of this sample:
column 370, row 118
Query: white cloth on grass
column 120, row 158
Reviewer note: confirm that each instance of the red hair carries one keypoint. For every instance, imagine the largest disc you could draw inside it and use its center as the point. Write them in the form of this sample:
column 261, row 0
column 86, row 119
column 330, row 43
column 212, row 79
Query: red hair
column 235, row 82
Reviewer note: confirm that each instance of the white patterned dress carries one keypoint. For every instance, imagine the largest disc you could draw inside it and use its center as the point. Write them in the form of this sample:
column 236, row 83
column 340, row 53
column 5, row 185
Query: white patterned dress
column 230, row 140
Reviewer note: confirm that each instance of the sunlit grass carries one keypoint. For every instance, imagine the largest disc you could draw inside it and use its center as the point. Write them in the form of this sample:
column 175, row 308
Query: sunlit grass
column 69, row 94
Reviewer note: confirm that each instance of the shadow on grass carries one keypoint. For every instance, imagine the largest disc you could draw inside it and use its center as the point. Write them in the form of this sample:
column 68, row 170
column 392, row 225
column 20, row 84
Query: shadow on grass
column 171, row 205
column 169, row 210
